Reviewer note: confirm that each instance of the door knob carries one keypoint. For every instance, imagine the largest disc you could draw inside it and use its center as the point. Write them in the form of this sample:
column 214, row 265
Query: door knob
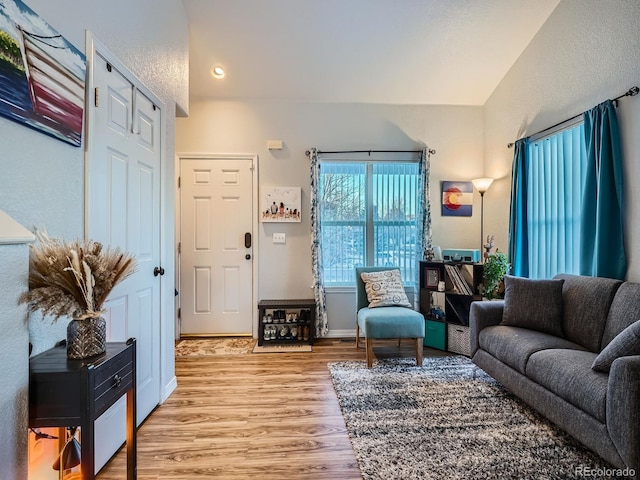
column 247, row 256
column 158, row 271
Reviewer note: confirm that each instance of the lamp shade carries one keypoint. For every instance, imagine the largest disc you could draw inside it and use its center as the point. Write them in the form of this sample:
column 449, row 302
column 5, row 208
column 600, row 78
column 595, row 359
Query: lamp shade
column 482, row 184
column 69, row 456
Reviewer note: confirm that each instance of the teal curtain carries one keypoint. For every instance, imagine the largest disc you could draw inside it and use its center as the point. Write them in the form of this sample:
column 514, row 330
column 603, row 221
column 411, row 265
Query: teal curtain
column 602, row 250
column 518, row 221
column 321, row 322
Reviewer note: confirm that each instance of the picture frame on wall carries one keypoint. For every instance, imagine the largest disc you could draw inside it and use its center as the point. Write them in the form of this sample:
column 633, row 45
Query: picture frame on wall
column 43, row 75
column 457, row 199
column 281, row 204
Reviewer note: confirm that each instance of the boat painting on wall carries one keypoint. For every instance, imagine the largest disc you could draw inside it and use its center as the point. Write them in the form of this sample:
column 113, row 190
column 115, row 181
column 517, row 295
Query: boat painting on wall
column 42, row 75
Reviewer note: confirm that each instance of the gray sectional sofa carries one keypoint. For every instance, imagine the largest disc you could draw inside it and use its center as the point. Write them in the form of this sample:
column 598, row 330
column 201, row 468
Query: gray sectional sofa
column 569, row 348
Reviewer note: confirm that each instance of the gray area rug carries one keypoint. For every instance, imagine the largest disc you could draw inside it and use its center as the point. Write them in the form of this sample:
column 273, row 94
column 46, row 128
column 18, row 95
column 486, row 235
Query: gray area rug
column 450, row 420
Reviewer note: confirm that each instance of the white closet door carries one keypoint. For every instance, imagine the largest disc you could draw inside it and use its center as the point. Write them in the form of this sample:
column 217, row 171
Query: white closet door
column 124, row 211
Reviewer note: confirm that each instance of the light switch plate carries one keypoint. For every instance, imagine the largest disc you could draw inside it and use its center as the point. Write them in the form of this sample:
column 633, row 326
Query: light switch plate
column 279, row 238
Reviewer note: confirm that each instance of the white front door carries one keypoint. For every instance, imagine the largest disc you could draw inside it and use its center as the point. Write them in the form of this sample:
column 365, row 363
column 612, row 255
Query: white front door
column 123, row 162
column 216, row 245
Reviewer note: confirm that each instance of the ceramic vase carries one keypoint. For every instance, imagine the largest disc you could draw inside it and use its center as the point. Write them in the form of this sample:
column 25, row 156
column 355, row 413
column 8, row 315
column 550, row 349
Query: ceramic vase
column 86, row 338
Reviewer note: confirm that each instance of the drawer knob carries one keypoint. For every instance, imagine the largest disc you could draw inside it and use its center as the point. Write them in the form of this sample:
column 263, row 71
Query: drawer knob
column 117, row 380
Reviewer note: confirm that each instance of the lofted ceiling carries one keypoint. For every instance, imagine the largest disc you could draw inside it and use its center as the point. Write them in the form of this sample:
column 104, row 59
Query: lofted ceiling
column 450, row 52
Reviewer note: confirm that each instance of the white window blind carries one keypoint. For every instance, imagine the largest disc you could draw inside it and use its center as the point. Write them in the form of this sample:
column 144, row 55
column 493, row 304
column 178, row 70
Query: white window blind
column 556, row 173
column 368, row 216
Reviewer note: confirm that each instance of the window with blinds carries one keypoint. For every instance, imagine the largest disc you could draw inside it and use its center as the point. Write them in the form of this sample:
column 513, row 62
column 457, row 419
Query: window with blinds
column 556, row 174
column 368, row 216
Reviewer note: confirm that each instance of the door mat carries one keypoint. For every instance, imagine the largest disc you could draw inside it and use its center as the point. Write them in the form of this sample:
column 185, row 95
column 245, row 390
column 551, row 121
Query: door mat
column 282, row 348
column 202, row 347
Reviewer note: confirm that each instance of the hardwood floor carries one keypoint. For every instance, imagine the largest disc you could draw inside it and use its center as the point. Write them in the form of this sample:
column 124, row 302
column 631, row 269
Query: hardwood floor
column 268, row 416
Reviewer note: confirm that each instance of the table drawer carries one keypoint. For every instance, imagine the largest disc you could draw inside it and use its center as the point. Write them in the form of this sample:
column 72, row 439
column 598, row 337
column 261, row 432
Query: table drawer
column 113, row 379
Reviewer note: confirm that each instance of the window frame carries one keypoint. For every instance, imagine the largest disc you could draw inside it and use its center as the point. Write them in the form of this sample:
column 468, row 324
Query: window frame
column 369, row 224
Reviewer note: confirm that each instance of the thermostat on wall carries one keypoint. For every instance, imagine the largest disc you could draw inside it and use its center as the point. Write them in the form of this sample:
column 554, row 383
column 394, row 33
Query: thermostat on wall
column 274, row 144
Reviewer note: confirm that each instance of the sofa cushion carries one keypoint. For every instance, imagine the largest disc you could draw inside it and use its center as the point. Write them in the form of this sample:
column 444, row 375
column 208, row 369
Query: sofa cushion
column 385, row 288
column 534, row 304
column 514, row 345
column 626, row 343
column 586, row 302
column 568, row 374
column 625, row 310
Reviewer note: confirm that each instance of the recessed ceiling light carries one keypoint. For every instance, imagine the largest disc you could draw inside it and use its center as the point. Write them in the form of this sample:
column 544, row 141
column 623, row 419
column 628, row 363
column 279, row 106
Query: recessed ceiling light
column 218, row 72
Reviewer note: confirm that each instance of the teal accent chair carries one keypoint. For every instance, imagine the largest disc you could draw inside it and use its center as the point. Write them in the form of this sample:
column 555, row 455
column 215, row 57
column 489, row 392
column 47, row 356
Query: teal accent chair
column 385, row 322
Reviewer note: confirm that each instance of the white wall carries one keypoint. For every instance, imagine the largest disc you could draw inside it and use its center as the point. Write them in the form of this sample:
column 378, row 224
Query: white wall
column 586, row 52
column 42, row 179
column 14, row 351
column 245, row 127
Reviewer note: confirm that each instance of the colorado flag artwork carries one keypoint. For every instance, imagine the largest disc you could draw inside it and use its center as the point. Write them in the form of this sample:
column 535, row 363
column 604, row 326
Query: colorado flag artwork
column 457, row 199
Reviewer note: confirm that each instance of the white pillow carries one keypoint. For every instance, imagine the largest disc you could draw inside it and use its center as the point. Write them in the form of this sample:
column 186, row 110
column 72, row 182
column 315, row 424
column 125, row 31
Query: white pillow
column 385, row 289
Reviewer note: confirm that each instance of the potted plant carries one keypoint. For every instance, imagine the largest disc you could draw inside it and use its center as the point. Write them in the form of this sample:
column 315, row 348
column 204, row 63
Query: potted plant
column 74, row 279
column 494, row 269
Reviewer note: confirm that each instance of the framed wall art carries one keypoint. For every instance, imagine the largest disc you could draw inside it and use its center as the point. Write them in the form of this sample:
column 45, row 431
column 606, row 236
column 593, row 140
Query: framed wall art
column 457, row 199
column 43, row 75
column 431, row 278
column 281, row 204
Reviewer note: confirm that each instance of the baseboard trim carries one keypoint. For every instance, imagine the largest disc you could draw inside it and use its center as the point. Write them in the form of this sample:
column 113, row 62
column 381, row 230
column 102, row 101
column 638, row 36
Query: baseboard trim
column 348, row 333
column 169, row 388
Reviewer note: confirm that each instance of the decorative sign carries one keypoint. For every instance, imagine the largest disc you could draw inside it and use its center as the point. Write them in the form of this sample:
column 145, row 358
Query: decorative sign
column 281, row 204
column 42, row 76
column 457, row 199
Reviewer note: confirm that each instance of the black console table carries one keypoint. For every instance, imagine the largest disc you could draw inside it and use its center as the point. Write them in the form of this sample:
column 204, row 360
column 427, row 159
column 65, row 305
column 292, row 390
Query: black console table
column 68, row 393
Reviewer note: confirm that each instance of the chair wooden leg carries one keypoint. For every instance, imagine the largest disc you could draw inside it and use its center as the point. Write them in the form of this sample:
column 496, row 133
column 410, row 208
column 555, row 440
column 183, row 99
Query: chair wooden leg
column 419, row 342
column 369, row 343
column 357, row 335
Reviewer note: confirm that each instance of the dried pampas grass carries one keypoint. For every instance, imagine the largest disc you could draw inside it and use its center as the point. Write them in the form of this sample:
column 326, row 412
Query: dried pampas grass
column 73, row 279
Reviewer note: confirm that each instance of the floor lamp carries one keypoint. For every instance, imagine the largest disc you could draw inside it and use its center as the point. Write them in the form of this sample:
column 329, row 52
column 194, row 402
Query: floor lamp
column 482, row 185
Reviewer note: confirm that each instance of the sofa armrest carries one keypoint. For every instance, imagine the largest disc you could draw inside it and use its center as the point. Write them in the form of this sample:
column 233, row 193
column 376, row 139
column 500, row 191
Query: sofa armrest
column 623, row 409
column 483, row 314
